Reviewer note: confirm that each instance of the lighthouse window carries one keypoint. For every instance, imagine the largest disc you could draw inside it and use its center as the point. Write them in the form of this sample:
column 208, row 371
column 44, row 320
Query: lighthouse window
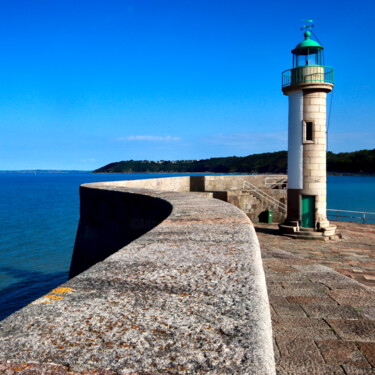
column 308, row 132
column 309, row 126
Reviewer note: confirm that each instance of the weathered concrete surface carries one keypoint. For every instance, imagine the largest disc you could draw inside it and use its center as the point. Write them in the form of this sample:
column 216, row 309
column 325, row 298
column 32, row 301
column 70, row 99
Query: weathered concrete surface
column 189, row 296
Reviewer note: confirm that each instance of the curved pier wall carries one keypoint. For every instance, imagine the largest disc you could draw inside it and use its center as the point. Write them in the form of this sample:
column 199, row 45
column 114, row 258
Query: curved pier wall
column 228, row 188
column 109, row 220
column 180, row 184
column 188, row 296
column 195, row 183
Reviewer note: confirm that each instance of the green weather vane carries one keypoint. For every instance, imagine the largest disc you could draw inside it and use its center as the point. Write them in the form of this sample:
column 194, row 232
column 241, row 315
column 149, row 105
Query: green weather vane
column 308, row 25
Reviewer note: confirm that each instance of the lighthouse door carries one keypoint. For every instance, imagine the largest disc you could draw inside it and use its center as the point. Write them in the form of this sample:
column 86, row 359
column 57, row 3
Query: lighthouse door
column 308, row 211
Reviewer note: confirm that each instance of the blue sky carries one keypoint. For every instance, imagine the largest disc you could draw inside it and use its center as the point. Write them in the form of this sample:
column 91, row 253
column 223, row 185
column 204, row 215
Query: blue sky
column 86, row 83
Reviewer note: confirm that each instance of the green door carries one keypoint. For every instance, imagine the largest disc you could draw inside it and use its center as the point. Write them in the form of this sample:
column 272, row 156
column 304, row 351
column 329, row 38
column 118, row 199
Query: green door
column 308, row 211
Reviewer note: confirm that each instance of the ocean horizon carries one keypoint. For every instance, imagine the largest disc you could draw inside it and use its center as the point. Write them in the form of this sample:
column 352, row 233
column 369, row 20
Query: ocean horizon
column 39, row 211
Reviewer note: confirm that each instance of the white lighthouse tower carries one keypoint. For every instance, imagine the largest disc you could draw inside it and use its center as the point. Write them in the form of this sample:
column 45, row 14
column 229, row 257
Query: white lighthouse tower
column 306, row 86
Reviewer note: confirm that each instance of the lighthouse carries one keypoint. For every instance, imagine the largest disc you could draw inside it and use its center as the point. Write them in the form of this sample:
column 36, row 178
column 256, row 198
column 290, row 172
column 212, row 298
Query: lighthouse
column 306, row 85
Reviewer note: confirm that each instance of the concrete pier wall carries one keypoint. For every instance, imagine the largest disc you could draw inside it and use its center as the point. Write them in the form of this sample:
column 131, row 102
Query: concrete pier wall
column 111, row 219
column 184, row 292
column 180, row 184
column 228, row 188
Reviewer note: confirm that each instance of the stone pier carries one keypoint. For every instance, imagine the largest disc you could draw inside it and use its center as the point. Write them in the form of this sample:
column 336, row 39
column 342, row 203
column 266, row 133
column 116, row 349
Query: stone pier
column 166, row 282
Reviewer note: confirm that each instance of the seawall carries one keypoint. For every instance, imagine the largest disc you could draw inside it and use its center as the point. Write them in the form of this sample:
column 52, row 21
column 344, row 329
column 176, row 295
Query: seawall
column 177, row 287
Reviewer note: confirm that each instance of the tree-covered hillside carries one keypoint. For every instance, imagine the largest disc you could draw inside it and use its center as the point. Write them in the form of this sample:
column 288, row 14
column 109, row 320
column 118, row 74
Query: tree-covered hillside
column 271, row 162
column 359, row 162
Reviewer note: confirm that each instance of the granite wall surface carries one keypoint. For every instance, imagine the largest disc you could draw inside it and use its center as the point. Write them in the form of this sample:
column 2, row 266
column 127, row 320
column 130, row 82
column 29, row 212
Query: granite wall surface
column 183, row 291
column 228, row 188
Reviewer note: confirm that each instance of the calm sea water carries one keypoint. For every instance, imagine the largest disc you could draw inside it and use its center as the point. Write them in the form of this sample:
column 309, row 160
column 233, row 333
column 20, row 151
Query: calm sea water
column 39, row 216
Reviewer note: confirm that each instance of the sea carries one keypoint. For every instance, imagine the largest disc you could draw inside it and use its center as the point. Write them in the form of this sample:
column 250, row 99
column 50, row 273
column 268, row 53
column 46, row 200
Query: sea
column 39, row 214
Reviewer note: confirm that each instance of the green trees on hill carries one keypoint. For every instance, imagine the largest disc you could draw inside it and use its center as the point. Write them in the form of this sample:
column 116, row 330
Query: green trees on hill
column 352, row 162
column 271, row 162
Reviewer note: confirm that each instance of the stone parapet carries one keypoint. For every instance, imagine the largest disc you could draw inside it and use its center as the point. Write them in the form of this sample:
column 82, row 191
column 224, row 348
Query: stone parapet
column 178, row 183
column 183, row 292
column 227, row 188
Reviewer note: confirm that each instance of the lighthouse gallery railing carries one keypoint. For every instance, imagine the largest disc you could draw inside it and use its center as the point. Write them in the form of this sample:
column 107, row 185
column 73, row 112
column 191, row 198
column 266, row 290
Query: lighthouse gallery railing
column 306, row 74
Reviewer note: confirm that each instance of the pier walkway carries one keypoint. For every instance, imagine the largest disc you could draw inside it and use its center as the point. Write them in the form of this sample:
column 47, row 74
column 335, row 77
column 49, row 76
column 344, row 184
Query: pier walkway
column 323, row 322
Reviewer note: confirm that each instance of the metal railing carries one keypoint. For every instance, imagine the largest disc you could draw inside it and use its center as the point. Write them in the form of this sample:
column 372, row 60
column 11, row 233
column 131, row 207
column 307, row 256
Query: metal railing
column 273, row 181
column 344, row 215
column 306, row 74
column 263, row 196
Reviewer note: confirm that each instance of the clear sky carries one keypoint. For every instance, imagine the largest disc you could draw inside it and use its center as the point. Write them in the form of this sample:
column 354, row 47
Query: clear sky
column 86, row 83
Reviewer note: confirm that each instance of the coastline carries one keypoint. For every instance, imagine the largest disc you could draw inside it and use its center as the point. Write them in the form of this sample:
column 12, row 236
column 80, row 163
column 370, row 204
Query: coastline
column 51, row 171
column 238, row 173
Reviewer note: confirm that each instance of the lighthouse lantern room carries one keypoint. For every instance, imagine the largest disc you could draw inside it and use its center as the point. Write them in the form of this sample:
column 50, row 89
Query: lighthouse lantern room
column 306, row 86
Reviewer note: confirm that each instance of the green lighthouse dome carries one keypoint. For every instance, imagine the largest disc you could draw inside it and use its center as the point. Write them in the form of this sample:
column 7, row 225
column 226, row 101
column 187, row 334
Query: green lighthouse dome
column 307, row 46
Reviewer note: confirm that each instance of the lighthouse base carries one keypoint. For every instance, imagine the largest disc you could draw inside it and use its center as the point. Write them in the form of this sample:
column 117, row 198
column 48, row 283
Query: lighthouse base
column 294, row 230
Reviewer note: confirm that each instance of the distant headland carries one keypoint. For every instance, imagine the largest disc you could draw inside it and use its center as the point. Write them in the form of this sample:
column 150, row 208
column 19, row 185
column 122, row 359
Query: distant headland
column 358, row 162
